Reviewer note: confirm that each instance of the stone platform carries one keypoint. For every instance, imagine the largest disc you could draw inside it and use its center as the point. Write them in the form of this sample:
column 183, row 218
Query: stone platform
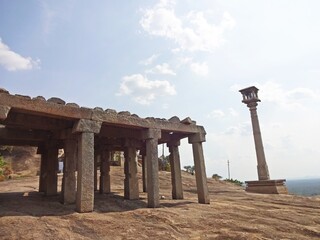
column 267, row 186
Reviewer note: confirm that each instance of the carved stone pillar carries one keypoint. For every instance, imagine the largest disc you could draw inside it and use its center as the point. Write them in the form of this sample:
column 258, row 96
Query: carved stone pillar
column 85, row 178
column 177, row 192
column 200, row 170
column 152, row 136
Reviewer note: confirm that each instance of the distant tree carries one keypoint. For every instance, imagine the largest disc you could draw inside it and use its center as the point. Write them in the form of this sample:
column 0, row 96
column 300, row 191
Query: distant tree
column 164, row 163
column 216, row 176
column 189, row 169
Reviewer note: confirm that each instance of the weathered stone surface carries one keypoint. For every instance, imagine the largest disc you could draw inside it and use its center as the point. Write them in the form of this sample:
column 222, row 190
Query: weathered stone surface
column 200, row 170
column 52, row 170
column 267, row 186
column 151, row 134
column 2, row 90
column 152, row 172
column 105, row 183
column 197, row 137
column 176, row 181
column 135, row 115
column 111, row 111
column 85, row 192
column 23, row 96
column 174, row 119
column 124, row 113
column 69, row 168
column 187, row 121
column 73, row 105
column 4, row 111
column 98, row 109
column 56, row 100
column 131, row 184
column 84, row 125
column 39, row 98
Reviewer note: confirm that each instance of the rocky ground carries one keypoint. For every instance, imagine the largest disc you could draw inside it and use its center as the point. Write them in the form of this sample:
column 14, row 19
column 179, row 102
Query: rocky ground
column 232, row 214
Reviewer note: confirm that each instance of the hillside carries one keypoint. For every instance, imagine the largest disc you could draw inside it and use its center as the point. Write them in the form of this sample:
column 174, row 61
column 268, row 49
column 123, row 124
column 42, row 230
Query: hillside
column 232, row 214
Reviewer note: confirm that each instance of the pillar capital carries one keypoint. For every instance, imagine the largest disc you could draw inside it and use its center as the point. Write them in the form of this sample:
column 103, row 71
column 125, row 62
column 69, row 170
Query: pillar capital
column 197, row 137
column 85, row 125
column 173, row 143
column 4, row 111
column 131, row 142
column 151, row 133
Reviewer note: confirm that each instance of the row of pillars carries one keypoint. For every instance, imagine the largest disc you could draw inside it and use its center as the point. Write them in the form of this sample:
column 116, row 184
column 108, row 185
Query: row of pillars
column 80, row 156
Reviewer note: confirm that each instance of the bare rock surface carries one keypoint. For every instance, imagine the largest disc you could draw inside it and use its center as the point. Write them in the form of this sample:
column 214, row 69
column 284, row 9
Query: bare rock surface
column 232, row 214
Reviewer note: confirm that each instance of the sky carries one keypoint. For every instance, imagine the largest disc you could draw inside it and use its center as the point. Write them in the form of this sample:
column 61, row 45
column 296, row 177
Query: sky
column 165, row 58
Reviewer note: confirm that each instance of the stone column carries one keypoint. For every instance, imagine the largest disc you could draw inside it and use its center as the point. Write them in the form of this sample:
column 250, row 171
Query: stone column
column 144, row 169
column 85, row 178
column 131, row 183
column 52, row 169
column 95, row 182
column 43, row 167
column 200, row 171
column 263, row 172
column 152, row 136
column 105, row 184
column 69, row 168
column 177, row 192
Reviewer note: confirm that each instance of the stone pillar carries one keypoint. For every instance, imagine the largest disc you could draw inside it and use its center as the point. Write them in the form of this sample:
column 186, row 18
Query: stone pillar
column 85, row 178
column 131, row 183
column 105, row 157
column 177, row 192
column 200, row 170
column 263, row 172
column 144, row 169
column 43, row 167
column 152, row 136
column 95, row 182
column 52, row 169
column 69, row 168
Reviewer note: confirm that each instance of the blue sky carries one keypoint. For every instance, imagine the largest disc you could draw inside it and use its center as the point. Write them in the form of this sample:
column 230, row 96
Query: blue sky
column 186, row 58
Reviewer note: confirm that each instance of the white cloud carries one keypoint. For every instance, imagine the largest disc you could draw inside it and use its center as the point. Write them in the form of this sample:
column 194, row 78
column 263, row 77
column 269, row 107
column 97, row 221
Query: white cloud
column 143, row 90
column 192, row 32
column 199, row 68
column 162, row 69
column 216, row 114
column 13, row 61
column 149, row 60
column 233, row 112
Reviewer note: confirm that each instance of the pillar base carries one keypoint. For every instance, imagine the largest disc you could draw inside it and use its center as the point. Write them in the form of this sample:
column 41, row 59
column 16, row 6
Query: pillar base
column 267, row 186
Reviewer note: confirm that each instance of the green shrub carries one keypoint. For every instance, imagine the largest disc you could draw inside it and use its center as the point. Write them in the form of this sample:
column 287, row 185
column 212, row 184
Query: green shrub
column 234, row 181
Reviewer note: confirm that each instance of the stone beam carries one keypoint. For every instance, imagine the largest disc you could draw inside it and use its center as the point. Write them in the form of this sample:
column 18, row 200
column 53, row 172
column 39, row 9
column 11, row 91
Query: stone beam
column 26, row 121
column 19, row 134
column 9, row 142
